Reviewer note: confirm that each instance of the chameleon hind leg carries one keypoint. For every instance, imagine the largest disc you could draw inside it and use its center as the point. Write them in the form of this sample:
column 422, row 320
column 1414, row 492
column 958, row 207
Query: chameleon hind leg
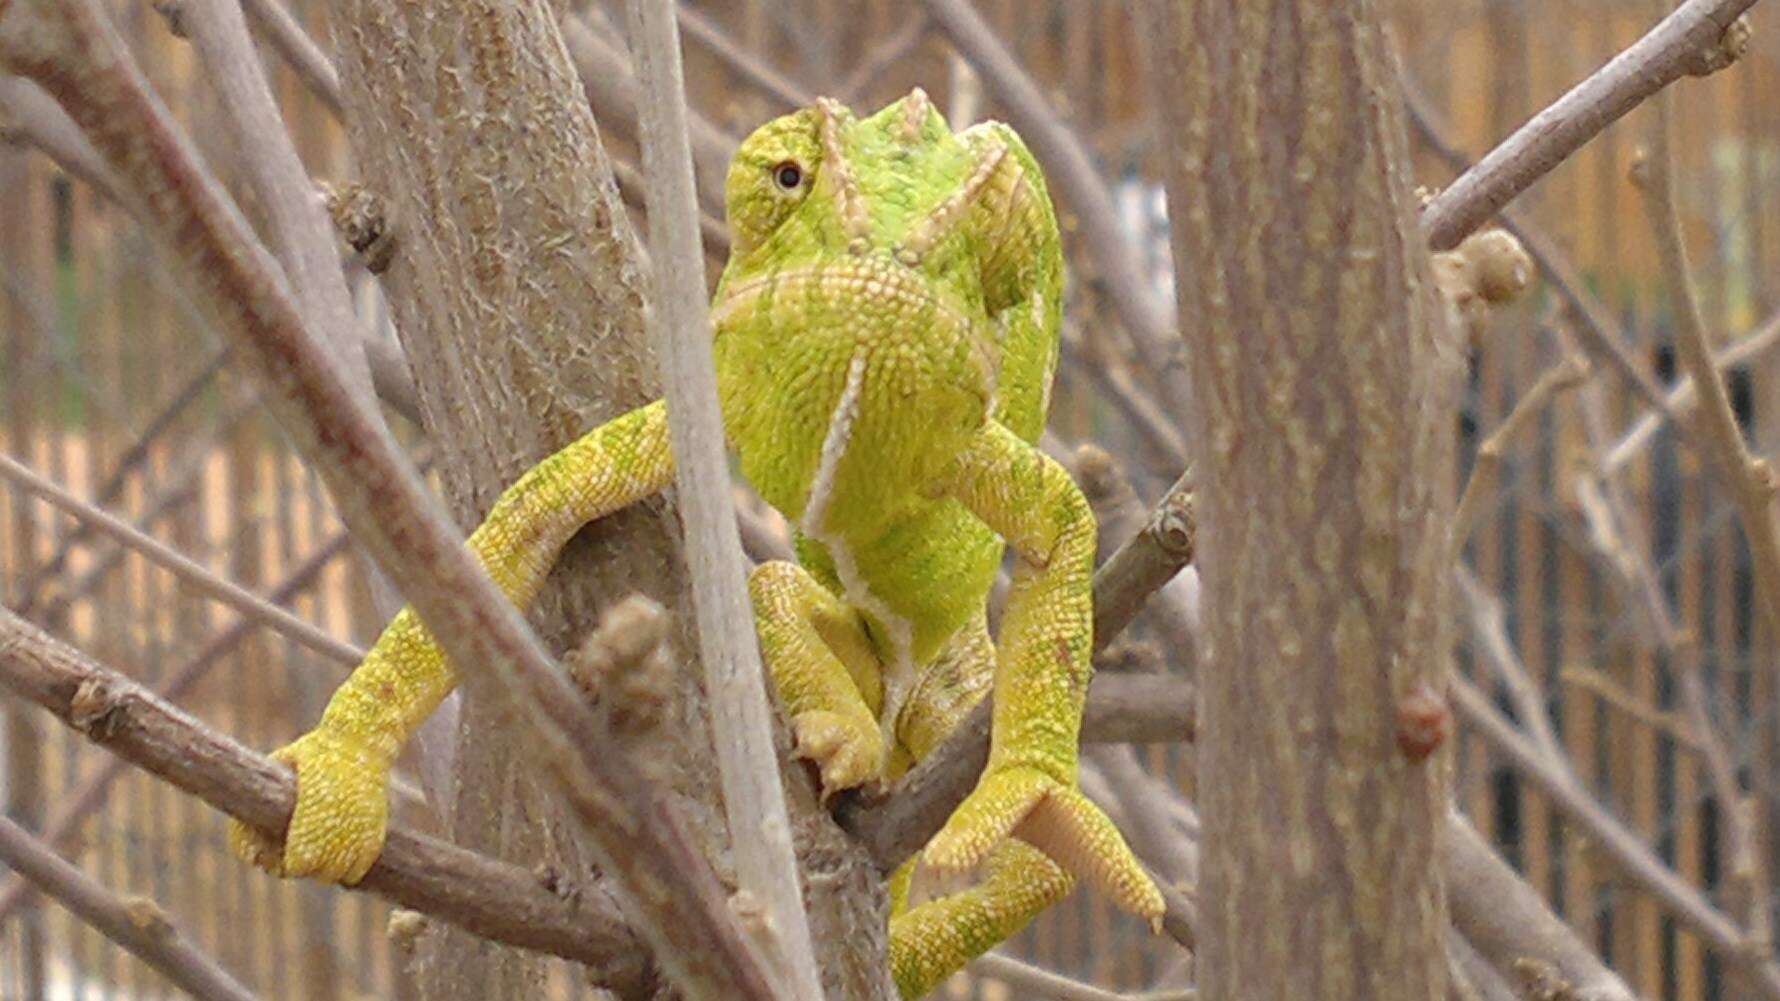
column 826, row 672
column 935, row 938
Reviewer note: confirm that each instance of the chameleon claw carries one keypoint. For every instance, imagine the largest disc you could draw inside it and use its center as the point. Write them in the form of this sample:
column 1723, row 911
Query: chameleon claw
column 1056, row 819
column 336, row 831
column 847, row 751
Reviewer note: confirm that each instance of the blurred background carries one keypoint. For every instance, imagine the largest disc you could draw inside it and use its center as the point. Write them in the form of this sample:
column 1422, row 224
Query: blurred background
column 111, row 385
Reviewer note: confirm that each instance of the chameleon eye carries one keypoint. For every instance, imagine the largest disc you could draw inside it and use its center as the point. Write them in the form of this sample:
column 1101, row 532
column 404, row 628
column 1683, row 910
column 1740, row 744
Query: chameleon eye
column 787, row 175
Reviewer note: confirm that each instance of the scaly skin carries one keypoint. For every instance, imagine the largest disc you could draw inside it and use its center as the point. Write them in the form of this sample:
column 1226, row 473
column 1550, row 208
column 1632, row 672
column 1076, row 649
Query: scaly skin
column 886, row 332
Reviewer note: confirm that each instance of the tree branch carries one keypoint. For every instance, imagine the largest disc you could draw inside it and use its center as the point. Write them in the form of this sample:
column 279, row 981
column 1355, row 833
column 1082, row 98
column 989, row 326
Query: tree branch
column 135, row 923
column 494, row 899
column 741, row 716
column 74, row 807
column 1669, row 51
column 167, row 558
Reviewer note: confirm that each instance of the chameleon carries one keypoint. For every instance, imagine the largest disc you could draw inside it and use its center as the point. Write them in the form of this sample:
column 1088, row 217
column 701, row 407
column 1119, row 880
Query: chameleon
column 886, row 331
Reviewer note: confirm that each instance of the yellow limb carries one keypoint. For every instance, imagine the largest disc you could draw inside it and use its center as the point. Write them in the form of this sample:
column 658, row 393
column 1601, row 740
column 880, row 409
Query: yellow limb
column 932, row 939
column 342, row 766
column 825, row 671
column 1028, row 788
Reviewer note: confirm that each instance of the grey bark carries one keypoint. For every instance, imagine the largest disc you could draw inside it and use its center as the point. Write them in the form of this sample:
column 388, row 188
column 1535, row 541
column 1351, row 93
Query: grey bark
column 1324, row 393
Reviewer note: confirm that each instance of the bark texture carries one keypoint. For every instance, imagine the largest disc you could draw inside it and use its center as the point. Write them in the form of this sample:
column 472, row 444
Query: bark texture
column 518, row 295
column 1324, row 396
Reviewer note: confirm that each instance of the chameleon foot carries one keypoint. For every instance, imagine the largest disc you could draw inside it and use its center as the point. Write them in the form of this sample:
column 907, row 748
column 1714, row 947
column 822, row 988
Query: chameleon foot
column 1055, row 818
column 847, row 749
column 337, row 829
column 931, row 940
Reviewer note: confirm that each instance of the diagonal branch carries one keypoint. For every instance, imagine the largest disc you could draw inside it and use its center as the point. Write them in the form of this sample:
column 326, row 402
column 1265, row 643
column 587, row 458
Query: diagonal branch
column 82, row 801
column 179, row 565
column 741, row 716
column 1700, row 37
column 502, row 902
column 134, row 923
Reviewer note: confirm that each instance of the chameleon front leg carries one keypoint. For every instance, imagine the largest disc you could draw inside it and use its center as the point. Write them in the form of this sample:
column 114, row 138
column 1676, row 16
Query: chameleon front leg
column 826, row 673
column 1028, row 789
column 342, row 766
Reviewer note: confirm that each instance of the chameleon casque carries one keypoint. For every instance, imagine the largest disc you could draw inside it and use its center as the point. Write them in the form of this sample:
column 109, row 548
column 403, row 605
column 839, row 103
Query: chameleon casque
column 886, row 330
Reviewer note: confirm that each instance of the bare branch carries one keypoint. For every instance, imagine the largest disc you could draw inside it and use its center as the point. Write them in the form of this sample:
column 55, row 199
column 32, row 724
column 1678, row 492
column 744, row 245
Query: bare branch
column 1600, row 333
column 494, row 899
column 750, row 67
column 1752, row 484
column 1506, row 921
column 1634, row 858
column 741, row 716
column 75, row 806
column 1666, row 53
column 302, row 236
column 176, row 563
column 888, row 53
column 135, row 923
column 298, row 50
column 1681, row 397
column 1487, row 471
column 1025, row 977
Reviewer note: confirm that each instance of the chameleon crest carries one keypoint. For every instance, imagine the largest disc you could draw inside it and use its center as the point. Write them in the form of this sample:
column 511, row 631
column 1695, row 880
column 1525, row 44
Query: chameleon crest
column 886, row 331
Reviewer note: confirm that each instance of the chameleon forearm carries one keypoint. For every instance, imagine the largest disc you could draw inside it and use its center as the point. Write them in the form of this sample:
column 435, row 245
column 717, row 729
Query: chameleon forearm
column 406, row 675
column 1042, row 669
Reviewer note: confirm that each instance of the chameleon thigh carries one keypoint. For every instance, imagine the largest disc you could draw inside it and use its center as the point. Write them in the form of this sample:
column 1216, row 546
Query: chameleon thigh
column 932, row 939
column 826, row 672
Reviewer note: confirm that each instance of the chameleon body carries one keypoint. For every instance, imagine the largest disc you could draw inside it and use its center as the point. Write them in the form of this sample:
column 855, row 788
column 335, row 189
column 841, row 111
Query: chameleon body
column 886, row 330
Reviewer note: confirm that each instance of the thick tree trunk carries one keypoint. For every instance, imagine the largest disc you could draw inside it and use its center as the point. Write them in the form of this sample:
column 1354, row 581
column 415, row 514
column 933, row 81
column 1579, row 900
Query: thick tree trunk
column 517, row 294
column 1325, row 395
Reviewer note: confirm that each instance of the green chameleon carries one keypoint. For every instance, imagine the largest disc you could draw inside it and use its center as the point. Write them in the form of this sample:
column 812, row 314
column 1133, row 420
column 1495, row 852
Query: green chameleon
column 886, row 333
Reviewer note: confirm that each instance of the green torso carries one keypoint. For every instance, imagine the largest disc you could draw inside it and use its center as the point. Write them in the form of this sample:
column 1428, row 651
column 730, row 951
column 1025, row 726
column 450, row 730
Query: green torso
column 867, row 325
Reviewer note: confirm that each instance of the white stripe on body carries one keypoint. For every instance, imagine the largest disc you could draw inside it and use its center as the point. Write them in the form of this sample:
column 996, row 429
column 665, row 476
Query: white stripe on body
column 899, row 673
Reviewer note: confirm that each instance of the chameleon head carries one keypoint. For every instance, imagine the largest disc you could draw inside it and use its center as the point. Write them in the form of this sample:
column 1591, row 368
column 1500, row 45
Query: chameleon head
column 856, row 294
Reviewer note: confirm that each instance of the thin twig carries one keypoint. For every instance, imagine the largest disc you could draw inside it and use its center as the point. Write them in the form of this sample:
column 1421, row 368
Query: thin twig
column 1593, row 320
column 1025, row 977
column 1598, row 684
column 1682, row 395
column 1669, row 51
column 297, row 226
column 888, row 53
column 1635, row 859
column 176, row 563
column 1752, row 485
column 127, row 461
column 757, row 72
column 1489, row 627
column 496, row 900
column 34, row 117
column 1487, row 470
column 741, row 717
column 135, row 923
column 298, row 50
